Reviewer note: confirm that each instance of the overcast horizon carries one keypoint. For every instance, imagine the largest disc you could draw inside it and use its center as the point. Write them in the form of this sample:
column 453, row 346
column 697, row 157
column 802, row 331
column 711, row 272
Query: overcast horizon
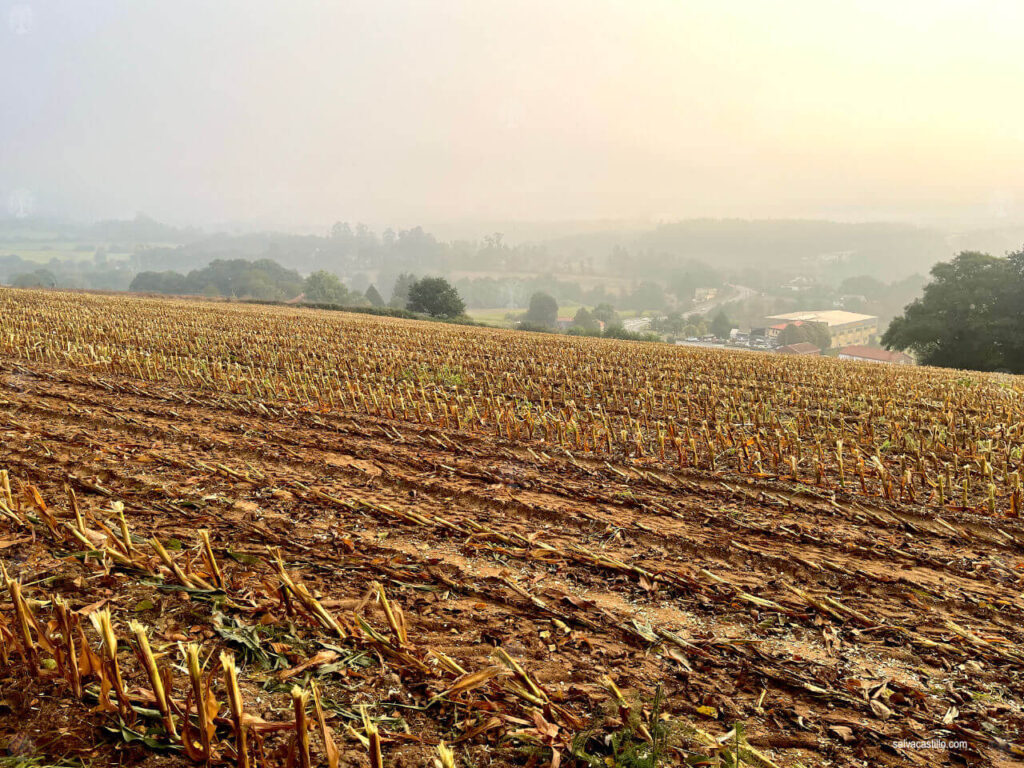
column 457, row 113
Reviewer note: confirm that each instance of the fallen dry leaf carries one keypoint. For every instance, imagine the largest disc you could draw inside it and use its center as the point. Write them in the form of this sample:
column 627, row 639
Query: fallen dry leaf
column 324, row 657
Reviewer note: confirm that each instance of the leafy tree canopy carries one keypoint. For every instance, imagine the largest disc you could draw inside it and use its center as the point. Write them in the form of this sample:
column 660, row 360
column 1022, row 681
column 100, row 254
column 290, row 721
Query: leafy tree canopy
column 324, row 288
column 543, row 311
column 159, row 282
column 39, row 278
column 671, row 323
column 586, row 321
column 721, row 325
column 239, row 278
column 435, row 296
column 400, row 293
column 815, row 333
column 970, row 316
column 606, row 314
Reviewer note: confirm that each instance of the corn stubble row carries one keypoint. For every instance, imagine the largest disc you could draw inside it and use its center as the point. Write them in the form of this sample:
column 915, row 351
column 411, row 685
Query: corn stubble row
column 206, row 715
column 929, row 438
column 919, row 436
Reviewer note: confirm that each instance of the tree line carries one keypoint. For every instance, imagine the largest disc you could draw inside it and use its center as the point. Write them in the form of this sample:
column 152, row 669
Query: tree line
column 266, row 280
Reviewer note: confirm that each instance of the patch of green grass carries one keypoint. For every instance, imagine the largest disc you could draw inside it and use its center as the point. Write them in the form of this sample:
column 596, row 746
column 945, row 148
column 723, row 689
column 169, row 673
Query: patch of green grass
column 650, row 741
column 494, row 315
column 625, row 747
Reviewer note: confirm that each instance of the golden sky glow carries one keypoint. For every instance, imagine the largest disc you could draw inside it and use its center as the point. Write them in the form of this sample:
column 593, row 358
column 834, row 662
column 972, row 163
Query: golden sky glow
column 416, row 112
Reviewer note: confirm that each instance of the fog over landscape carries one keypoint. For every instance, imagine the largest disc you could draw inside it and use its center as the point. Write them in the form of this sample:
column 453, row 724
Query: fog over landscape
column 465, row 116
column 661, row 163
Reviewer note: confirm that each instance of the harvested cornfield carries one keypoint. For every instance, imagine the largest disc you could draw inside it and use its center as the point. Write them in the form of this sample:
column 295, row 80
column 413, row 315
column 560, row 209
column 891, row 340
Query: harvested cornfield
column 268, row 536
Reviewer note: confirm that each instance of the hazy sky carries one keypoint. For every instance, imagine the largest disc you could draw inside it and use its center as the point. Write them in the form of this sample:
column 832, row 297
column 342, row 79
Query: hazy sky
column 414, row 111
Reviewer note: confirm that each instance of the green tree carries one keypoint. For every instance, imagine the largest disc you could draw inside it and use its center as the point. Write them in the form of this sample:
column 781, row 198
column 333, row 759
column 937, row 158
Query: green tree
column 39, row 278
column 260, row 279
column 721, row 325
column 325, row 288
column 813, row 333
column 158, row 282
column 819, row 335
column 400, row 293
column 543, row 311
column 435, row 296
column 585, row 321
column 792, row 334
column 374, row 297
column 970, row 316
column 606, row 313
column 672, row 323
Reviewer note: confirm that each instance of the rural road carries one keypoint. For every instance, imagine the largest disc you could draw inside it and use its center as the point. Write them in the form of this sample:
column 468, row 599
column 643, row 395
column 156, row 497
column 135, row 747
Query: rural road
column 636, row 324
column 742, row 293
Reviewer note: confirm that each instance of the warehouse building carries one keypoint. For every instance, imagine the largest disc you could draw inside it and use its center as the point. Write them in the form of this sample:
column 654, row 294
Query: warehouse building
column 845, row 328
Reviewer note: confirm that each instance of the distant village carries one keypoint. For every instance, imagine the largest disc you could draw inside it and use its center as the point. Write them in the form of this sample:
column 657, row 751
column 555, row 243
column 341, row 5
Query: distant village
column 842, row 334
